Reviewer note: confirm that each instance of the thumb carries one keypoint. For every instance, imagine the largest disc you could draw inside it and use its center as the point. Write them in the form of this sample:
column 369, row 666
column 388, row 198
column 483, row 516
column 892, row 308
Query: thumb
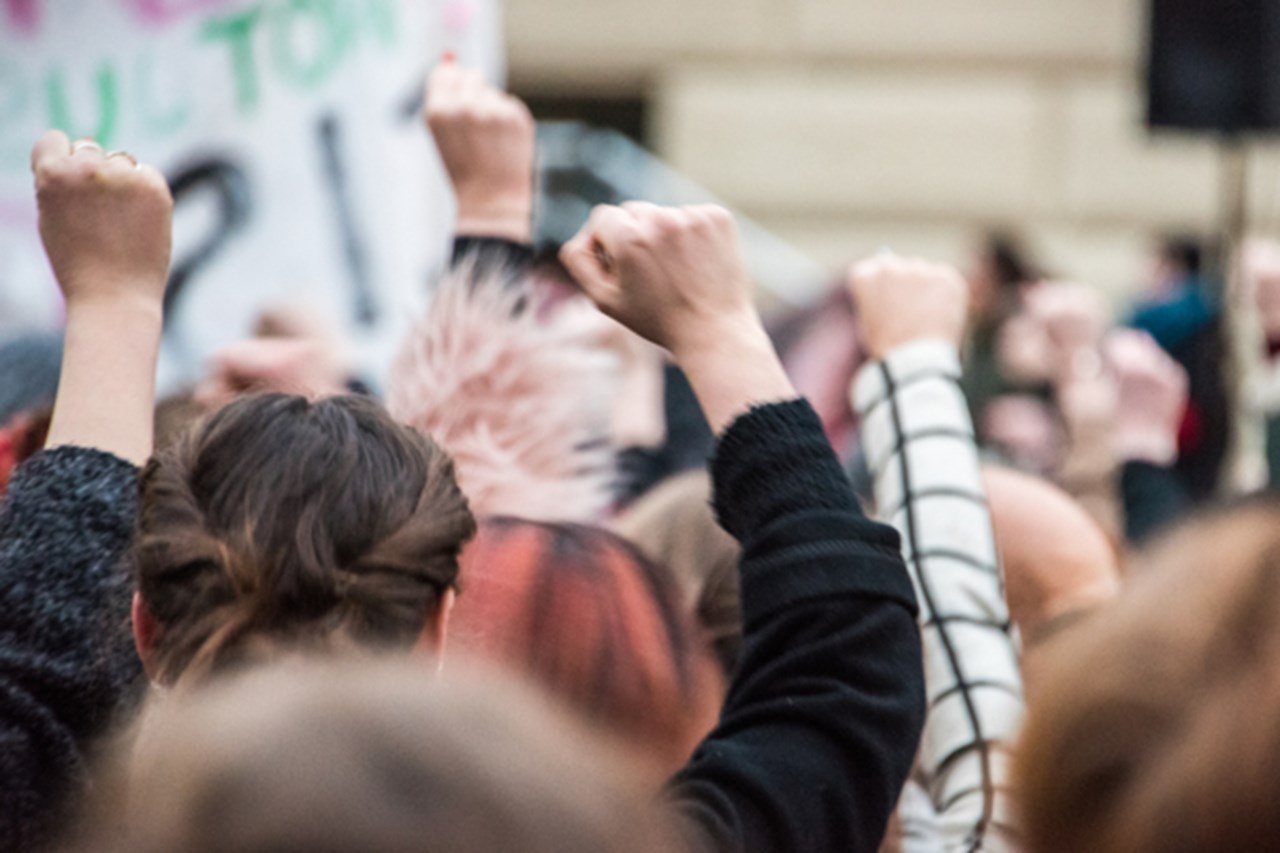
column 586, row 261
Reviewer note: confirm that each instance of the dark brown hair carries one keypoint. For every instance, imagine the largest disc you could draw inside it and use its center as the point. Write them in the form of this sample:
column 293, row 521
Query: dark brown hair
column 279, row 522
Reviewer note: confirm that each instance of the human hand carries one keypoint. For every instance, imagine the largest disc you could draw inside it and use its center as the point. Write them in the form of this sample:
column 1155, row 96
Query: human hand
column 1074, row 317
column 1024, row 352
column 105, row 221
column 285, row 365
column 106, row 224
column 676, row 277
column 1153, row 392
column 486, row 139
column 902, row 300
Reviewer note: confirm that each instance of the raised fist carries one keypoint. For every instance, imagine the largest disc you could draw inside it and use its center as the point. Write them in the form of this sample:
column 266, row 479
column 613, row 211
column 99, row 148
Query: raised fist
column 674, row 276
column 1152, row 399
column 1075, row 318
column 105, row 221
column 900, row 301
column 486, row 139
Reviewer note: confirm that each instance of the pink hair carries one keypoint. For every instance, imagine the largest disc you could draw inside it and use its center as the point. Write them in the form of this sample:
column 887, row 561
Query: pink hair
column 516, row 389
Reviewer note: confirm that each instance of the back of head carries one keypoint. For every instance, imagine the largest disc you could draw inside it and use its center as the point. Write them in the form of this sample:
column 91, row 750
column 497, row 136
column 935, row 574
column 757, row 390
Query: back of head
column 1152, row 728
column 1057, row 561
column 675, row 526
column 366, row 756
column 585, row 614
column 282, row 522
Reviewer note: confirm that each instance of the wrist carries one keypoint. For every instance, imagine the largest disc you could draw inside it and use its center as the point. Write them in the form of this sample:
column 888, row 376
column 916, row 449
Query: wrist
column 509, row 217
column 732, row 366
column 135, row 312
column 933, row 350
column 882, row 350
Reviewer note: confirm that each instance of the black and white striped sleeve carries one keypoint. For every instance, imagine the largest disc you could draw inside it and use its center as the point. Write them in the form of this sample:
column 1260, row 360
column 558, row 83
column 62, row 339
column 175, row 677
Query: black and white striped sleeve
column 919, row 443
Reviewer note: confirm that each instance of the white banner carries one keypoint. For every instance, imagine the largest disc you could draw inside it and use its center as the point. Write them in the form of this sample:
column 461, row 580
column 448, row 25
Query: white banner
column 289, row 130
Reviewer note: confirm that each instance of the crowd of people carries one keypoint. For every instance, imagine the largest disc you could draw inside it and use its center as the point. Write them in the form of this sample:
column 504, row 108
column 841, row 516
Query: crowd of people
column 608, row 562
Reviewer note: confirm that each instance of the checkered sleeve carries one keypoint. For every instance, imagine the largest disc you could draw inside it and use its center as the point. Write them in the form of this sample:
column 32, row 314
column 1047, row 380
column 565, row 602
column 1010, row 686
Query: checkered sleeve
column 920, row 446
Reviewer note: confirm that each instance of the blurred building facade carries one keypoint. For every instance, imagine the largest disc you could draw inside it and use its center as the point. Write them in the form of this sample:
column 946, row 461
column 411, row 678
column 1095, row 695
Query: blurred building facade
column 848, row 125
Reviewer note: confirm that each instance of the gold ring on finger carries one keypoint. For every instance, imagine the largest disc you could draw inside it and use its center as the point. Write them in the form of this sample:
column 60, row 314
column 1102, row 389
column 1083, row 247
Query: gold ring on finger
column 126, row 155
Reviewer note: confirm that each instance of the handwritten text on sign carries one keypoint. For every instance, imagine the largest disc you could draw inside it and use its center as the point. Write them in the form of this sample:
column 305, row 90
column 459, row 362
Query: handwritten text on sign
column 288, row 131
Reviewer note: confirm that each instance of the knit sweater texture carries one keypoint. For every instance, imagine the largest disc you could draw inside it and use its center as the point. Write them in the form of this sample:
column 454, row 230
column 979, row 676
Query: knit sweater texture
column 67, row 662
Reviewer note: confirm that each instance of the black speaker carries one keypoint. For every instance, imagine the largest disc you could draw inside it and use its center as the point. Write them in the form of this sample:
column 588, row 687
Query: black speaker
column 1214, row 65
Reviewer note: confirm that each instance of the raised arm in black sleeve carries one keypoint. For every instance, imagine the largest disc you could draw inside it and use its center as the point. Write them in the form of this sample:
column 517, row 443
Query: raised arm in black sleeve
column 66, row 652
column 823, row 718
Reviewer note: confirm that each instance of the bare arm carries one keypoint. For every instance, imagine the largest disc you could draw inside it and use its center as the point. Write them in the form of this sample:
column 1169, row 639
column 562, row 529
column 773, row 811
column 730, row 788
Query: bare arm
column 105, row 222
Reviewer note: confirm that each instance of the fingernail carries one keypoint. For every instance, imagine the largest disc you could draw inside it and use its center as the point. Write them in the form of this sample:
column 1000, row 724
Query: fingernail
column 449, row 56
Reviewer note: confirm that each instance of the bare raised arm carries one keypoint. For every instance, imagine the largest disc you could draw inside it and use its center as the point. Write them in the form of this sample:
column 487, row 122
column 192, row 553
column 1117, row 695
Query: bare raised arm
column 676, row 277
column 486, row 140
column 105, row 222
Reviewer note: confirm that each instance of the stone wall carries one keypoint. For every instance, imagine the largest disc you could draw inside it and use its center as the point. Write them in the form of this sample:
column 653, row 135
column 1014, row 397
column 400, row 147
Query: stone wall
column 847, row 125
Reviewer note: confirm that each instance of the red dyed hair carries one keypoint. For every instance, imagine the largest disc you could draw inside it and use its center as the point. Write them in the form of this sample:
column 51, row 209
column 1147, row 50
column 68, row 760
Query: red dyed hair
column 585, row 613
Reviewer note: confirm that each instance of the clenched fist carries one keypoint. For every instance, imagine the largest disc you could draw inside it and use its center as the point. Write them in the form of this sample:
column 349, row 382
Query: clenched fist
column 673, row 275
column 486, row 139
column 105, row 222
column 901, row 301
column 676, row 277
column 1152, row 399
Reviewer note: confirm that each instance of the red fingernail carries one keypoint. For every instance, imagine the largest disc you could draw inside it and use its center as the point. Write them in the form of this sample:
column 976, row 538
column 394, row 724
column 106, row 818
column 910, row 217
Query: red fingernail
column 449, row 56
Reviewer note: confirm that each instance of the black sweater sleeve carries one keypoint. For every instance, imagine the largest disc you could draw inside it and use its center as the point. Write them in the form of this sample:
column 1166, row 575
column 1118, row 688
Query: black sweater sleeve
column 823, row 718
column 66, row 653
column 494, row 251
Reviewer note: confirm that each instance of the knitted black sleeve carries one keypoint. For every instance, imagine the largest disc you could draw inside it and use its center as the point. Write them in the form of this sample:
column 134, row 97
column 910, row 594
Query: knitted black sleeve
column 66, row 652
column 823, row 718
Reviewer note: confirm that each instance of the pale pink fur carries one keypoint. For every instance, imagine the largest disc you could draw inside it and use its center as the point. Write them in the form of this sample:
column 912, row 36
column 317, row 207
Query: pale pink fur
column 521, row 399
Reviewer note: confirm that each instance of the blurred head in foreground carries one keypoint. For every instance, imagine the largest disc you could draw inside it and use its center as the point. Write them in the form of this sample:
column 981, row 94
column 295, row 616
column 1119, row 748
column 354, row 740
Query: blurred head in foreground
column 365, row 755
column 1153, row 726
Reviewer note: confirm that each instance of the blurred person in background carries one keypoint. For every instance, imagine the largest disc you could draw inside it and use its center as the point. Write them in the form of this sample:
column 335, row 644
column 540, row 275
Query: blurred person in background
column 1179, row 308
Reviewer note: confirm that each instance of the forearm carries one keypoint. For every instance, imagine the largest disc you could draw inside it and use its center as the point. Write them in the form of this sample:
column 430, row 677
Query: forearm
column 733, row 368
column 828, row 693
column 106, row 393
column 919, row 442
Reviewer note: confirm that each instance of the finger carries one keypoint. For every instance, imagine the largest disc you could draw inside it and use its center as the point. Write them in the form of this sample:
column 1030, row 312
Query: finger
column 86, row 148
column 615, row 230
column 126, row 156
column 155, row 177
column 868, row 268
column 581, row 256
column 471, row 84
column 642, row 209
column 51, row 146
column 444, row 84
column 711, row 214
